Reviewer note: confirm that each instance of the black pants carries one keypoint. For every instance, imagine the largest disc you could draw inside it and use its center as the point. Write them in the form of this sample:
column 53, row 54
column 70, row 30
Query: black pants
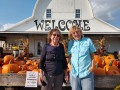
column 53, row 82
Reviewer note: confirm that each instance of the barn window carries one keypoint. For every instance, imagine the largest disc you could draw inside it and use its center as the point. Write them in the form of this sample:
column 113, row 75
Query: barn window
column 48, row 13
column 77, row 13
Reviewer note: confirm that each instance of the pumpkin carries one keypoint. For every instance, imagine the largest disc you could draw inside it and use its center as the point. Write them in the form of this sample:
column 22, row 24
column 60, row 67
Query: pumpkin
column 35, row 62
column 109, row 67
column 98, row 60
column 36, row 70
column 119, row 69
column 109, row 59
column 23, row 67
column 111, row 55
column 19, row 63
column 8, row 58
column 29, row 62
column 22, row 72
column 113, row 72
column 30, row 67
column 0, row 70
column 1, row 61
column 114, row 63
column 118, row 64
column 99, row 70
column 8, row 68
column 36, row 65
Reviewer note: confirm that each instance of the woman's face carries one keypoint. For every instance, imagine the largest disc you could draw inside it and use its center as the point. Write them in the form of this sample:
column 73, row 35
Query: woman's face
column 76, row 34
column 55, row 37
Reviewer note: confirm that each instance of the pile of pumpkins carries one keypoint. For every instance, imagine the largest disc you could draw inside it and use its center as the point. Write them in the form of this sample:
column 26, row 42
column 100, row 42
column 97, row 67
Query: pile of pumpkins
column 103, row 65
column 9, row 65
column 106, row 65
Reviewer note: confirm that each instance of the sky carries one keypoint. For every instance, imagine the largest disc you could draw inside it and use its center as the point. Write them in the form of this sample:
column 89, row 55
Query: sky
column 14, row 11
column 107, row 10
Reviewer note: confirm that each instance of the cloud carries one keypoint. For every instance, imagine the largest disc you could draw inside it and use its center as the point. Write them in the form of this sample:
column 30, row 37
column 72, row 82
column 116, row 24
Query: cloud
column 5, row 26
column 105, row 9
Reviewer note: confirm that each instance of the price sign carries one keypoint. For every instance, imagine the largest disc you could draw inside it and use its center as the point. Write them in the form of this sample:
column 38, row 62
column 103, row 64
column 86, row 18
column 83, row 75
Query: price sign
column 31, row 79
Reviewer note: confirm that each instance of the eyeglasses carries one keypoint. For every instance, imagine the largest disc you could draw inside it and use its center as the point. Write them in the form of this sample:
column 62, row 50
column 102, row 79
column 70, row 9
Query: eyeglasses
column 56, row 35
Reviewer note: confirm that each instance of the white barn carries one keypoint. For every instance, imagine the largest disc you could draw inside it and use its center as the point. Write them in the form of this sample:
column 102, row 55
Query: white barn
column 61, row 14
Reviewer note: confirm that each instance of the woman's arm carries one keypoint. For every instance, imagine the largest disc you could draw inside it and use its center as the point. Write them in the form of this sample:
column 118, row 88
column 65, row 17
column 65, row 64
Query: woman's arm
column 64, row 58
column 42, row 58
column 42, row 61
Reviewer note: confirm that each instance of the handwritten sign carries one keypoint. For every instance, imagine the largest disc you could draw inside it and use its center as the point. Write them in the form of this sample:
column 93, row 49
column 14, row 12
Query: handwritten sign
column 31, row 79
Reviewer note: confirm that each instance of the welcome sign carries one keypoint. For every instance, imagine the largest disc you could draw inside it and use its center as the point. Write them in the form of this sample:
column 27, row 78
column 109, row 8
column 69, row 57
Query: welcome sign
column 62, row 25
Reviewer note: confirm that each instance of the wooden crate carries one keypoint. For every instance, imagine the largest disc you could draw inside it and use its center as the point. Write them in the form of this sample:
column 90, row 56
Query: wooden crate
column 19, row 80
column 12, row 79
column 107, row 81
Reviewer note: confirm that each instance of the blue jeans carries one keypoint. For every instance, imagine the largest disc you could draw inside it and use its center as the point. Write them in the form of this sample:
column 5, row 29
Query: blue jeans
column 86, row 83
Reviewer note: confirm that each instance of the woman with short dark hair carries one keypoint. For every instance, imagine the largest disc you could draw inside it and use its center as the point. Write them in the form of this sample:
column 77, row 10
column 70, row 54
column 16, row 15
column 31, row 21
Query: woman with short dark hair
column 53, row 62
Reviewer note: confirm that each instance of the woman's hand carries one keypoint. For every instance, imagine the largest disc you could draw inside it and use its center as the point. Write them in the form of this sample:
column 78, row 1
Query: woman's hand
column 69, row 66
column 66, row 78
column 41, row 75
column 91, row 69
column 66, row 75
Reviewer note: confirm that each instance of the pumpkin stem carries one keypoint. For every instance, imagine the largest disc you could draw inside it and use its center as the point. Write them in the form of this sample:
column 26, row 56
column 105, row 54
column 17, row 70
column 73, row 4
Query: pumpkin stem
column 96, row 65
column 22, row 67
column 10, row 62
column 111, row 62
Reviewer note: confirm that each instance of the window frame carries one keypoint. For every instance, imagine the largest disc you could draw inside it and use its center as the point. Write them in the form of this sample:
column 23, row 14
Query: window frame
column 77, row 13
column 48, row 13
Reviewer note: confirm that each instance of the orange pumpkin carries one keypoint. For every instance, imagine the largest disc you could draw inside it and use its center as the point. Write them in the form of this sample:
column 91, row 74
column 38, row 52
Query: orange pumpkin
column 23, row 67
column 35, row 64
column 19, row 63
column 29, row 62
column 118, row 64
column 30, row 67
column 109, row 67
column 0, row 69
column 108, row 59
column 1, row 61
column 113, row 72
column 119, row 70
column 22, row 72
column 36, row 70
column 8, row 68
column 99, row 70
column 114, row 63
column 8, row 58
column 98, row 60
